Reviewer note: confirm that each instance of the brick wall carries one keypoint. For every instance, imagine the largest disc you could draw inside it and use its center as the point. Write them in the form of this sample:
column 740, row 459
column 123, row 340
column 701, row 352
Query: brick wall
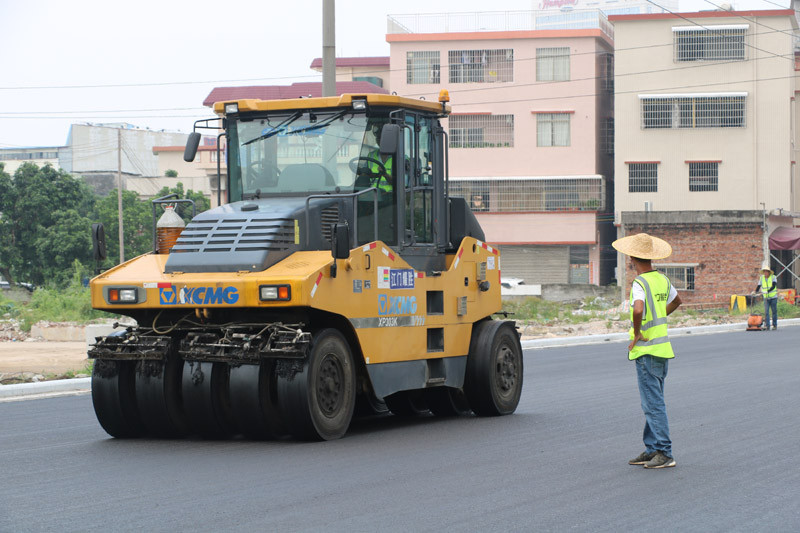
column 728, row 256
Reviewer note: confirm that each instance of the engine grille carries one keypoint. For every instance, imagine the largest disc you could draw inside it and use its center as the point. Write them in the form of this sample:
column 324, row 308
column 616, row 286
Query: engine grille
column 236, row 235
column 328, row 217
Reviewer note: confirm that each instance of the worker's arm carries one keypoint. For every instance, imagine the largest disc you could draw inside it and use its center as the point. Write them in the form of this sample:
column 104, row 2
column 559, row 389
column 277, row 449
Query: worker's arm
column 638, row 313
column 674, row 304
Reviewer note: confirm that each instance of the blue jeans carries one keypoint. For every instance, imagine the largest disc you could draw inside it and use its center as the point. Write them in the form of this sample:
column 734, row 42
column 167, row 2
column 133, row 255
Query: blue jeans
column 771, row 304
column 651, row 372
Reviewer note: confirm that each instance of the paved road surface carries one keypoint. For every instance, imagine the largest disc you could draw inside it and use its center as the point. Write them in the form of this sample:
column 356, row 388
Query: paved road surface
column 558, row 464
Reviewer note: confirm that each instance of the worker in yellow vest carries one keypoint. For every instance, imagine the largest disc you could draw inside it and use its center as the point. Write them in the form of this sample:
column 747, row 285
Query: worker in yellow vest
column 768, row 285
column 652, row 298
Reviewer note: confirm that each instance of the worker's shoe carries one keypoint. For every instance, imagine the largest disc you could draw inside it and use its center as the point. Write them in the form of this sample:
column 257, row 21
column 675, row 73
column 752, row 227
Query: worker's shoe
column 774, row 327
column 660, row 460
column 642, row 458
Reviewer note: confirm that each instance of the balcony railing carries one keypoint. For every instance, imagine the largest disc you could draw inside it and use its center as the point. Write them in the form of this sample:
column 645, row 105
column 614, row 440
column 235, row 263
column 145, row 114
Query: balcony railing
column 500, row 21
column 508, row 195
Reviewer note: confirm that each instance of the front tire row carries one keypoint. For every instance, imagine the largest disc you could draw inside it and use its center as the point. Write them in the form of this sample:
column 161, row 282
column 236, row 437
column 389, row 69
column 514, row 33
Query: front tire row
column 315, row 402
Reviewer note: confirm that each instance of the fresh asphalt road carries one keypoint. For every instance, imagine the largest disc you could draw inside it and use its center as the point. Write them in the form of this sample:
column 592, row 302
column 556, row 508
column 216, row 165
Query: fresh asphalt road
column 559, row 463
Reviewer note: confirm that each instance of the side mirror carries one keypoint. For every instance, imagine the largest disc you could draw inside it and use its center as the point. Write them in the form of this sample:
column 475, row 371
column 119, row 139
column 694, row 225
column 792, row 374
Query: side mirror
column 191, row 147
column 98, row 242
column 390, row 137
column 340, row 247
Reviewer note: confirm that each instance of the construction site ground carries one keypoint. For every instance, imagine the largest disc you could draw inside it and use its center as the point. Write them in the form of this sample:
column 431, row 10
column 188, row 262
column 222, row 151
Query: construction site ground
column 24, row 358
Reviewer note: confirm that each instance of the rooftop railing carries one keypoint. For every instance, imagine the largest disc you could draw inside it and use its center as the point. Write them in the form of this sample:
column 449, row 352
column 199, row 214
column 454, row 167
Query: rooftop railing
column 500, row 21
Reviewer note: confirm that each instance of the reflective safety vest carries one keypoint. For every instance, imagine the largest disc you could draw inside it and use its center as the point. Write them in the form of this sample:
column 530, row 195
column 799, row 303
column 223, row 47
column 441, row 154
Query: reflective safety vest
column 766, row 284
column 383, row 182
column 654, row 320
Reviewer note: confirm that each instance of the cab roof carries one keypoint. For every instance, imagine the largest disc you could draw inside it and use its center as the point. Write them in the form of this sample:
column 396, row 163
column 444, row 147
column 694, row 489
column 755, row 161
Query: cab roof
column 333, row 102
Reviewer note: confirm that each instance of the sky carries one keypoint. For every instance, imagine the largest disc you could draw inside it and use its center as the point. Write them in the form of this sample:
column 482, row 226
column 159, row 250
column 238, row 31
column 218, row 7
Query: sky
column 152, row 63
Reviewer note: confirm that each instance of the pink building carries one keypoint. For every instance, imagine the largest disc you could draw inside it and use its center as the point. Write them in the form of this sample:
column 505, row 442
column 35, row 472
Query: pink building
column 531, row 134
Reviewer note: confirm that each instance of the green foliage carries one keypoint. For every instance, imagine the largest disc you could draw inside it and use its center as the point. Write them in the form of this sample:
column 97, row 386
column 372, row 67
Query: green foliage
column 536, row 309
column 171, row 173
column 787, row 310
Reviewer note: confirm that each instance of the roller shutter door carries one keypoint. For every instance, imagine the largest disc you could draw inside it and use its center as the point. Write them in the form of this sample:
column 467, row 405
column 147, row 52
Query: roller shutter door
column 535, row 264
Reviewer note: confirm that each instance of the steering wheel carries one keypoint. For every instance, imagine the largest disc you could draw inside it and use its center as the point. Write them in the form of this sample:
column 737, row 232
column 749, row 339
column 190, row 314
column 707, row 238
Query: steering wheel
column 256, row 170
column 375, row 177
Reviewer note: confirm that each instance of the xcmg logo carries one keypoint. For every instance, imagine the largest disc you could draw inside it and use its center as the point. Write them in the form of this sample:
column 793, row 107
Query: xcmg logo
column 198, row 295
column 396, row 305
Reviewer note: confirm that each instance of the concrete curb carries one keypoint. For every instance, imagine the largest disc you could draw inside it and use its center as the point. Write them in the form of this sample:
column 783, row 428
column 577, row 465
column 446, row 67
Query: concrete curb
column 57, row 386
column 78, row 385
column 612, row 337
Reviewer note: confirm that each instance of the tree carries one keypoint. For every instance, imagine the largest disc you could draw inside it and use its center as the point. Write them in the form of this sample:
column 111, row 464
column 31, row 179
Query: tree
column 42, row 209
column 171, row 173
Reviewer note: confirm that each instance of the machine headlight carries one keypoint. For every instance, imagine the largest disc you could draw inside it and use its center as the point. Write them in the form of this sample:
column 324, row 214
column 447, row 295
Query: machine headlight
column 231, row 108
column 359, row 105
column 122, row 296
column 275, row 292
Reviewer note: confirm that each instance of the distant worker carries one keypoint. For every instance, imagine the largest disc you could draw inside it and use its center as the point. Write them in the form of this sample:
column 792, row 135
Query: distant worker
column 652, row 298
column 768, row 285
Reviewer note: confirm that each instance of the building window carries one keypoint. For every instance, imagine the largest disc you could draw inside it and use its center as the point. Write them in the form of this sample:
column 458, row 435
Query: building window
column 703, row 176
column 422, row 67
column 481, row 131
column 552, row 129
column 213, row 156
column 710, row 43
column 607, row 135
column 681, row 276
column 697, row 111
column 514, row 195
column 374, row 80
column 642, row 177
column 552, row 64
column 607, row 67
column 481, row 66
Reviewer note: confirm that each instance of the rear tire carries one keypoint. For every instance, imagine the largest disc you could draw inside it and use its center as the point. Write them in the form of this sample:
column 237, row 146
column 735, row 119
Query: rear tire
column 318, row 403
column 447, row 401
column 493, row 382
column 158, row 396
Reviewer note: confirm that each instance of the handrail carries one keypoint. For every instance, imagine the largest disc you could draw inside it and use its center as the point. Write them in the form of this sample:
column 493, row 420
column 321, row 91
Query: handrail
column 353, row 195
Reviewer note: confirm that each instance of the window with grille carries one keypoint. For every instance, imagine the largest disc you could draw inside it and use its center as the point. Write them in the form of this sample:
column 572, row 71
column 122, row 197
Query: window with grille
column 422, row 67
column 710, row 43
column 607, row 68
column 552, row 64
column 681, row 276
column 552, row 129
column 642, row 177
column 694, row 111
column 510, row 195
column 703, row 176
column 481, row 131
column 607, row 135
column 481, row 66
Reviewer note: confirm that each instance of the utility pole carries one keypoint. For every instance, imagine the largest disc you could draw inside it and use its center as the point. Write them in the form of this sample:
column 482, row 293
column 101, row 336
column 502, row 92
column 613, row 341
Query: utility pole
column 119, row 195
column 328, row 48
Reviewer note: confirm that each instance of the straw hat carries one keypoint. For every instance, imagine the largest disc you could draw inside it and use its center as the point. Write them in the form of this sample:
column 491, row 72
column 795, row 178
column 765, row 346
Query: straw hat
column 643, row 246
column 766, row 266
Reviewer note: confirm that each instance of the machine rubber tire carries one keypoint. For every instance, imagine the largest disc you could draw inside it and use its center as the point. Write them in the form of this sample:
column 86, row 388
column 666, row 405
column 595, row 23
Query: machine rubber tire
column 204, row 389
column 158, row 396
column 114, row 398
column 447, row 401
column 254, row 401
column 407, row 403
column 318, row 402
column 493, row 381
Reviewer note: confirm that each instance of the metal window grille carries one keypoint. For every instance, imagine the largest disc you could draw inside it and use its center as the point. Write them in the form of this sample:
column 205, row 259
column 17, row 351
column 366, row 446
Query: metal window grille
column 681, row 277
column 703, row 177
column 642, row 177
column 696, row 43
column 422, row 67
column 607, row 135
column 607, row 64
column 585, row 193
column 694, row 112
column 552, row 64
column 481, row 131
column 481, row 66
column 552, row 129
